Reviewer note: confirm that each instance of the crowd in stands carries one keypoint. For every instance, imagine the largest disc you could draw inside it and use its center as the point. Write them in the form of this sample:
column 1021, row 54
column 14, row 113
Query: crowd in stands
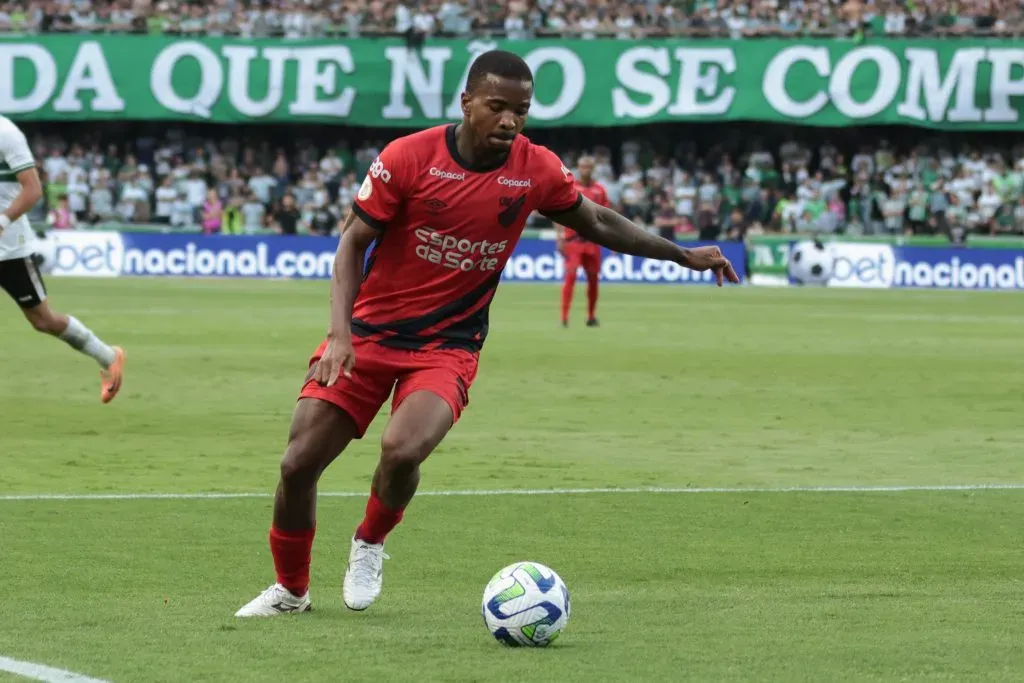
column 224, row 185
column 517, row 19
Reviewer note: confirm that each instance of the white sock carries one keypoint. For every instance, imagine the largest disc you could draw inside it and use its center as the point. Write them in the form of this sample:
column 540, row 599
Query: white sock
column 81, row 338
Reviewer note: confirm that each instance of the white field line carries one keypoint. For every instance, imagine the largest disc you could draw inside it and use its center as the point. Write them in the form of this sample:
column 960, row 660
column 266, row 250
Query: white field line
column 524, row 492
column 39, row 672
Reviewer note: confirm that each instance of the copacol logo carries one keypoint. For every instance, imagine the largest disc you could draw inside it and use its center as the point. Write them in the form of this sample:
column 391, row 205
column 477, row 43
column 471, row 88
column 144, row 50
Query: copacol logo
column 862, row 265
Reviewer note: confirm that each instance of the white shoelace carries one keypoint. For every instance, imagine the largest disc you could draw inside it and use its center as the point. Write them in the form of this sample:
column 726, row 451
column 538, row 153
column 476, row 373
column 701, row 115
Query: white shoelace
column 369, row 562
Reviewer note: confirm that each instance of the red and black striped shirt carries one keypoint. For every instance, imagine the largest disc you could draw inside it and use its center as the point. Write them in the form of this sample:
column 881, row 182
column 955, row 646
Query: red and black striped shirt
column 446, row 233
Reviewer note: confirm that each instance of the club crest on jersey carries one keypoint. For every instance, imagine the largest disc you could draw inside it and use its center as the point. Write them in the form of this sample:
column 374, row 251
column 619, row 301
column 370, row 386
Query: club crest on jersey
column 513, row 207
column 365, row 190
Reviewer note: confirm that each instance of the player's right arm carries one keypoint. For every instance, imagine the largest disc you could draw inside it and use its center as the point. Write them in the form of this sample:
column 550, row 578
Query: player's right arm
column 339, row 356
column 378, row 201
column 15, row 152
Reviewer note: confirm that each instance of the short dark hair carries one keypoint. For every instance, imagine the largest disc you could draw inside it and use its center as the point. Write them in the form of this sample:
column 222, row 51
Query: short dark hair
column 497, row 63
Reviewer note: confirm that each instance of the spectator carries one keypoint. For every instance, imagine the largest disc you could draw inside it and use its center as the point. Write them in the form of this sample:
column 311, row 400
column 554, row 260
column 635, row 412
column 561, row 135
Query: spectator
column 253, row 214
column 287, row 217
column 62, row 217
column 917, row 210
column 134, row 204
column 101, row 198
column 183, row 215
column 166, row 196
column 213, row 213
column 893, row 210
column 232, row 220
column 262, row 185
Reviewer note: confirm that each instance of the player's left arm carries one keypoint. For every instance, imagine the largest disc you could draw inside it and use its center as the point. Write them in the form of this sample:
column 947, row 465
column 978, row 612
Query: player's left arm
column 608, row 228
column 565, row 205
column 31, row 193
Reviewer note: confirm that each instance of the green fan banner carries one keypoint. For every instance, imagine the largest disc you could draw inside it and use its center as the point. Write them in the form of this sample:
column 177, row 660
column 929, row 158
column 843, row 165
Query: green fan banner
column 968, row 84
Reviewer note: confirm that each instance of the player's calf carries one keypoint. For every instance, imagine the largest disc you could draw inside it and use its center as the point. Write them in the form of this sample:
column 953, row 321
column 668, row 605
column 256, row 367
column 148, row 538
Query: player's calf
column 414, row 431
column 295, row 497
column 398, row 472
column 319, row 432
column 397, row 477
column 71, row 331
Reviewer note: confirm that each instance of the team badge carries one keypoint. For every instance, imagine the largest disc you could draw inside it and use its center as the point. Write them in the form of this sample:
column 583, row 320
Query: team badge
column 365, row 190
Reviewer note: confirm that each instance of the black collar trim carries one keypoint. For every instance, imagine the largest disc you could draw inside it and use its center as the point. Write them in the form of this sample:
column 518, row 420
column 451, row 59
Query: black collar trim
column 453, row 150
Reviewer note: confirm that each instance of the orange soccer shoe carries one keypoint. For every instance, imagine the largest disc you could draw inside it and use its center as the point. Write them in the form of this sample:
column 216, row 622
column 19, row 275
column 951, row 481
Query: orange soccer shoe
column 110, row 379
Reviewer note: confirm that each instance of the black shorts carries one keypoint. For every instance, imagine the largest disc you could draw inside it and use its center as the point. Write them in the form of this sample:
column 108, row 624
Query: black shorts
column 22, row 280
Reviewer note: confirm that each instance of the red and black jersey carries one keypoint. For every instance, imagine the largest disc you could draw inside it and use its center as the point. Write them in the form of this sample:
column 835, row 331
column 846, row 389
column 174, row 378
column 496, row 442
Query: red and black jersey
column 447, row 231
column 596, row 193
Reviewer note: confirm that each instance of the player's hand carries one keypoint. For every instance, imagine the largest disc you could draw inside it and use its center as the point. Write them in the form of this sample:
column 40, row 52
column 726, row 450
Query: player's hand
column 339, row 357
column 711, row 258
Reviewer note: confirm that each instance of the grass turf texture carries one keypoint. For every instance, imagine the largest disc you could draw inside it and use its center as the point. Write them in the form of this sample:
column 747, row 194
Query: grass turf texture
column 680, row 387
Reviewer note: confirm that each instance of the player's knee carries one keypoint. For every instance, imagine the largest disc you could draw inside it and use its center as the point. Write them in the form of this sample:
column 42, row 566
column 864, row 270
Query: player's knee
column 398, row 451
column 298, row 467
column 42, row 321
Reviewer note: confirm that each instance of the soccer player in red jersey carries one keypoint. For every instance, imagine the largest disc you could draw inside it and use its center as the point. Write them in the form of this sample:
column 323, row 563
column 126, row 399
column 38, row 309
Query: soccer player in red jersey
column 440, row 211
column 579, row 251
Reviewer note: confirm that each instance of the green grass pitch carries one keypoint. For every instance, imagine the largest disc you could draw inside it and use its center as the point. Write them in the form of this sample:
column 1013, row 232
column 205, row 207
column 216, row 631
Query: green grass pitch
column 681, row 387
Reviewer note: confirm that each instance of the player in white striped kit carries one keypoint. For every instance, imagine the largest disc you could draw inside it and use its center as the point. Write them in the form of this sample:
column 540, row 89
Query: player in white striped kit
column 20, row 189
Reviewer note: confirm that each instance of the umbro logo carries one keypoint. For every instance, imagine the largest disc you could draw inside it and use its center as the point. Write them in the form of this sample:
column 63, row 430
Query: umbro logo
column 281, row 607
column 435, row 205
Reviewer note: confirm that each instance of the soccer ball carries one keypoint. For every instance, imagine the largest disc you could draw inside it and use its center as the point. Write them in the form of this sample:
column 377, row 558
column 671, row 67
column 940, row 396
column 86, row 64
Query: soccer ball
column 810, row 263
column 526, row 604
column 44, row 253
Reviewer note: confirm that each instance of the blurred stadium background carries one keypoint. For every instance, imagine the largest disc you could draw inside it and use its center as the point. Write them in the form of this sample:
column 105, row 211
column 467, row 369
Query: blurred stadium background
column 198, row 158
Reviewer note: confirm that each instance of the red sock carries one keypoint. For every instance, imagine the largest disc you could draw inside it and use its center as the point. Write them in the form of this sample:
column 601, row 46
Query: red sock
column 291, row 551
column 379, row 520
column 591, row 295
column 567, row 287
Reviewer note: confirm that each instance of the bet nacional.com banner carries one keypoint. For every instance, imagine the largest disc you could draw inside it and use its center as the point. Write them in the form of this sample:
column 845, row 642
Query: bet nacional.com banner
column 855, row 264
column 884, row 266
column 887, row 263
column 968, row 83
column 119, row 254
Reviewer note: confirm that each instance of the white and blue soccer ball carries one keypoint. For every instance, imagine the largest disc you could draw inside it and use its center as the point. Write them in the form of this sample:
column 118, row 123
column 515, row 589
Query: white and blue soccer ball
column 526, row 604
column 811, row 262
column 44, row 252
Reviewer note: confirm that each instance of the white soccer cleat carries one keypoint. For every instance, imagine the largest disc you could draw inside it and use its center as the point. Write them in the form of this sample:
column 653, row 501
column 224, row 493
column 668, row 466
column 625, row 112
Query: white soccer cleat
column 274, row 601
column 364, row 575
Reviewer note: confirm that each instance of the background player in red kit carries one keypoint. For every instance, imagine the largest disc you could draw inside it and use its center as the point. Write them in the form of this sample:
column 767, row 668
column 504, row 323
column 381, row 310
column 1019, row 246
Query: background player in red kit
column 442, row 210
column 577, row 250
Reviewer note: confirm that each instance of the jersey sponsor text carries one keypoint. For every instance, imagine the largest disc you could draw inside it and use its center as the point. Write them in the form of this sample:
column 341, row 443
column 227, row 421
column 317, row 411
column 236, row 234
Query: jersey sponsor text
column 458, row 254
